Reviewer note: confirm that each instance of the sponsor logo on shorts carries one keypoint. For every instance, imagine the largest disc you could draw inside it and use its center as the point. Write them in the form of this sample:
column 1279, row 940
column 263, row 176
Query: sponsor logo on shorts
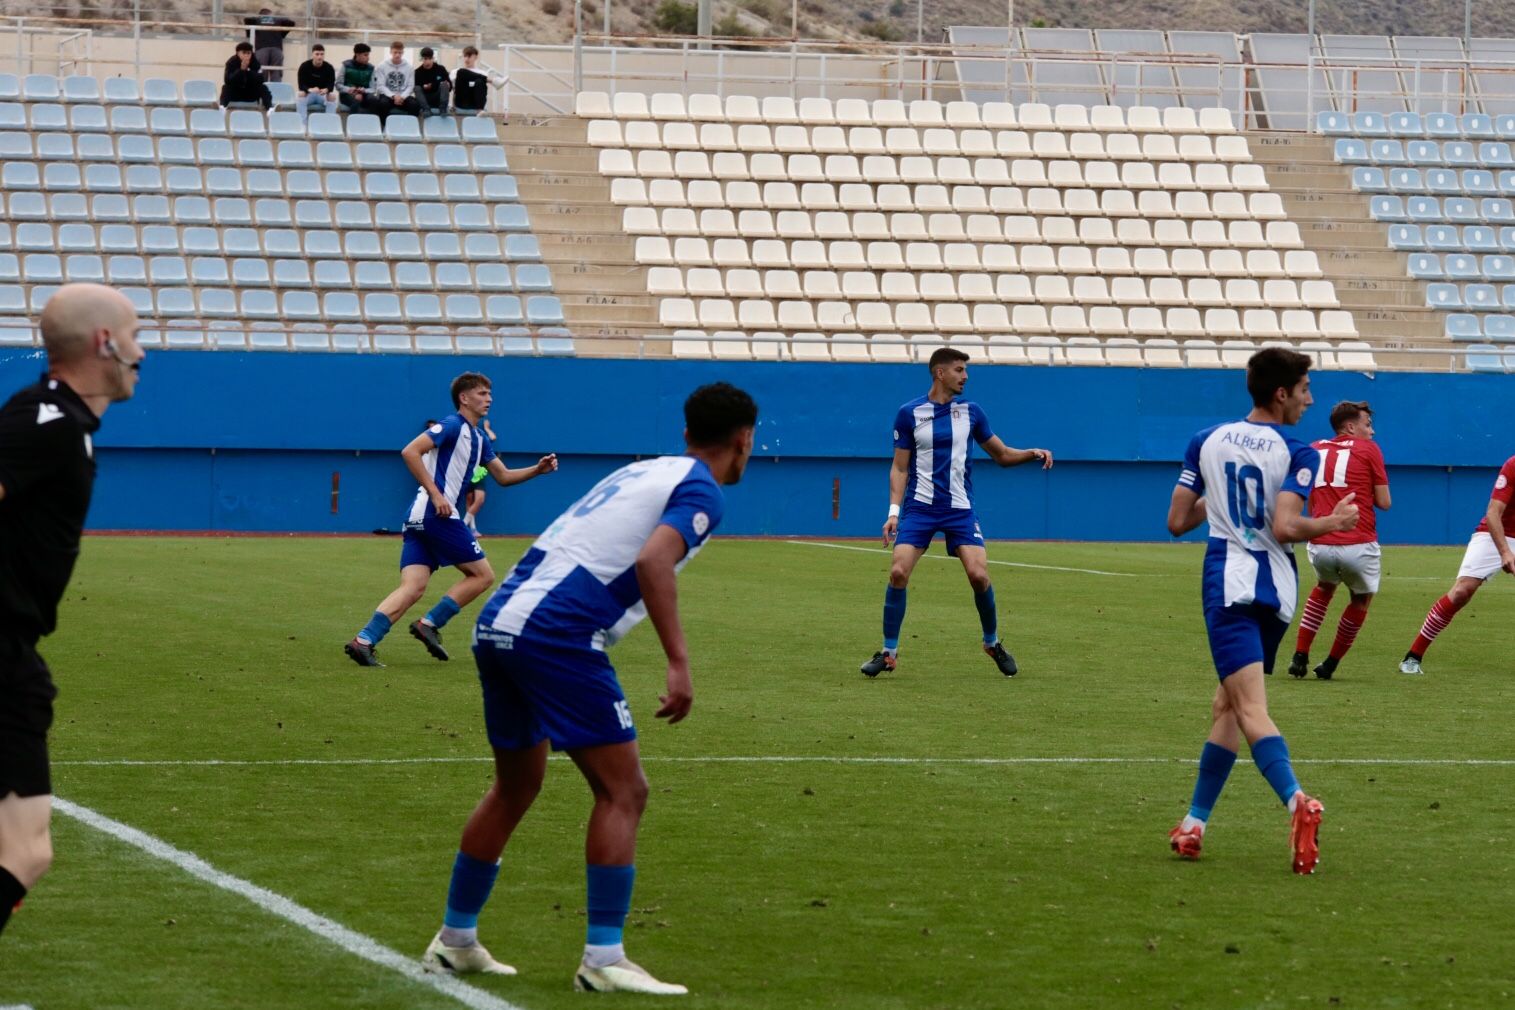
column 496, row 638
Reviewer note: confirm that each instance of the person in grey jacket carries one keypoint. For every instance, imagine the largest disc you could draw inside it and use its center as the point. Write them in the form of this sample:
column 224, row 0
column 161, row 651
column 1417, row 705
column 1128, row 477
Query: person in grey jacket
column 395, row 84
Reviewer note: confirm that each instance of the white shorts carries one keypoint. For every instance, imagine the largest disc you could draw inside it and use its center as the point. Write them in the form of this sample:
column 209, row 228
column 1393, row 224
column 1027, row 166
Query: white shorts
column 1481, row 560
column 1358, row 566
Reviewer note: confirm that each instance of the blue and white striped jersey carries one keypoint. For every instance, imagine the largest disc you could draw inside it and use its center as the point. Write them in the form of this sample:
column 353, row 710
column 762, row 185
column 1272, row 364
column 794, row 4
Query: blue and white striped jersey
column 939, row 437
column 577, row 585
column 1240, row 468
column 457, row 447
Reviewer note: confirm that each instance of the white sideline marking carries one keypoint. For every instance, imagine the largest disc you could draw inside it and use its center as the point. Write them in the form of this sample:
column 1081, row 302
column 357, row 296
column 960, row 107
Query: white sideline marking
column 992, row 561
column 777, row 759
column 353, row 942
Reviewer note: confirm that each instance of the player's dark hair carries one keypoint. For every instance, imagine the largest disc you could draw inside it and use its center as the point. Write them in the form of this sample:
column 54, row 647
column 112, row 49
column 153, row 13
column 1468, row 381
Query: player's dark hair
column 945, row 356
column 318, row 48
column 465, row 382
column 360, row 49
column 714, row 413
column 1347, row 411
column 426, row 53
column 1272, row 369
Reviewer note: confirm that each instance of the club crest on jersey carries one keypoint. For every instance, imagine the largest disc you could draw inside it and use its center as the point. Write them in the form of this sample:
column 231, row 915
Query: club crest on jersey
column 701, row 523
column 435, row 429
column 1304, row 476
column 1501, row 482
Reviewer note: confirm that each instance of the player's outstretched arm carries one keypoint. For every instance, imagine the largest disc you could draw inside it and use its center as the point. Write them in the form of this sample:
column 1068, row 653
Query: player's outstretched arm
column 658, row 581
column 1186, row 511
column 505, row 477
column 1292, row 526
column 1006, row 455
column 1495, row 515
column 412, row 455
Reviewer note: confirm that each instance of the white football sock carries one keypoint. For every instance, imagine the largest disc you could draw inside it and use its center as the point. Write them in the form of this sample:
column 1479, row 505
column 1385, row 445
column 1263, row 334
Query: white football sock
column 599, row 956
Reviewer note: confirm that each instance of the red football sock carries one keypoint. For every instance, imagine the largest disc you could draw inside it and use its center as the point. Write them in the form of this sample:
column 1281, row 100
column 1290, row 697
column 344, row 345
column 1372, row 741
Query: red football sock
column 1313, row 615
column 1346, row 631
column 1436, row 622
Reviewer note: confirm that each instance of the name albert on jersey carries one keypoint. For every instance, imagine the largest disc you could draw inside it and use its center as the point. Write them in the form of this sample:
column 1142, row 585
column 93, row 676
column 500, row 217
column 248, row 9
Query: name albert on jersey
column 1246, row 465
column 457, row 448
column 577, row 585
column 940, row 437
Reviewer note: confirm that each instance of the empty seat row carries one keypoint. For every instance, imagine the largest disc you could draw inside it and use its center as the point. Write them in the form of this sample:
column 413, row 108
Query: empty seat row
column 1486, row 358
column 907, row 140
column 50, row 268
column 345, row 214
column 1045, row 289
column 1300, row 264
column 82, row 88
column 272, row 335
column 952, row 226
column 877, row 168
column 1426, row 153
column 1494, row 210
column 1497, row 326
column 1439, row 125
column 1436, row 181
column 889, row 112
column 1472, row 297
column 1462, row 267
column 1449, row 238
column 64, row 177
column 136, row 148
column 273, row 242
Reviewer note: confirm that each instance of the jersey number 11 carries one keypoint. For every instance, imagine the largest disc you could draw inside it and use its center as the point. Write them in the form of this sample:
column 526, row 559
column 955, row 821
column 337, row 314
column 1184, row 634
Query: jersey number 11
column 1339, row 474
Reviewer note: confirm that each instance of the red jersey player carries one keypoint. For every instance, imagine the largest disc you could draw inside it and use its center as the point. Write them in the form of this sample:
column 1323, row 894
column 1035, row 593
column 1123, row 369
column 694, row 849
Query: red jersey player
column 1350, row 462
column 1488, row 552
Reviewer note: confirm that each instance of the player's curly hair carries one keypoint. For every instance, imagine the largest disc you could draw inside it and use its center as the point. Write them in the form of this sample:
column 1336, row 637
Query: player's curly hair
column 714, row 413
column 465, row 382
column 1272, row 369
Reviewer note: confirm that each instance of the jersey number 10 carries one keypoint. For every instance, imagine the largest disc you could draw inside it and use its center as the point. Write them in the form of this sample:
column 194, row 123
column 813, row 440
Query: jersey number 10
column 1339, row 474
column 1244, row 496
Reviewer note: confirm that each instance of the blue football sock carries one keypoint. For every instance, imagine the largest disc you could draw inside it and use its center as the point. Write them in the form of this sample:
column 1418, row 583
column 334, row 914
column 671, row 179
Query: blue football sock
column 986, row 617
column 446, row 609
column 894, row 617
column 1215, row 764
column 472, row 880
column 609, row 902
column 1271, row 755
column 375, row 630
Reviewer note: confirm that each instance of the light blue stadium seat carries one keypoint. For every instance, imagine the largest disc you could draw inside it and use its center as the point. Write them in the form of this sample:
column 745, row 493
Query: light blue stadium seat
column 1459, row 154
column 349, row 337
column 40, row 293
column 555, row 340
column 49, row 117
column 224, row 182
column 96, row 147
column 177, row 151
column 1369, row 124
column 141, row 299
column 374, row 157
column 76, row 238
column 1424, row 153
column 78, row 88
column 1384, row 152
column 390, row 215
column 382, row 186
column 10, row 87
column 209, row 270
column 215, row 151
column 20, row 175
column 333, row 154
column 1477, row 126
column 330, row 274
column 166, row 121
column 432, row 217
column 1461, row 267
column 260, row 303
column 12, row 299
column 544, row 310
column 1443, row 125
column 441, row 245
column 176, row 302
column 61, row 177
column 55, row 147
column 1484, row 358
column 304, row 183
column 312, row 214
column 1498, row 327
column 119, row 238
column 1460, row 210
column 85, row 268
column 522, row 247
column 35, row 237
column 1498, row 268
column 322, row 244
column 412, row 157
column 40, row 88
column 266, row 335
column 372, row 275
column 463, row 310
column 241, row 242
column 264, row 182
column 1352, row 151
column 201, row 93
column 470, row 217
column 247, row 272
column 202, row 241
column 1426, row 267
column 402, row 245
column 16, row 331
column 1480, row 238
column 450, row 157
column 364, row 126
column 475, row 341
column 69, row 207
column 1443, row 182
column 363, row 245
column 42, row 268
column 1497, row 211
column 12, row 116
column 274, row 212
column 1405, row 124
column 479, row 130
column 295, row 273
column 490, row 158
column 122, row 90
column 1507, row 239
column 10, row 268
column 511, row 217
column 1463, row 326
column 128, row 119
column 1406, row 180
column 1479, row 182
column 29, row 207
column 454, row 277
column 15, row 146
column 1443, row 296
column 1505, row 182
column 232, row 210
column 382, row 307
column 133, row 149
column 286, row 126
column 305, row 304
column 218, row 303
column 440, row 129
column 341, row 185
column 207, row 122
column 500, row 188
column 493, row 277
column 503, row 309
column 515, row 340
column 402, row 128
column 168, row 271
column 1504, row 126
column 421, row 186
column 423, row 308
column 88, row 119
column 1495, row 155
column 351, row 214
column 482, row 248
column 184, row 179
column 325, row 126
column 460, row 188
column 245, row 123
column 256, row 153
column 160, row 240
column 533, row 277
column 295, row 154
column 283, row 94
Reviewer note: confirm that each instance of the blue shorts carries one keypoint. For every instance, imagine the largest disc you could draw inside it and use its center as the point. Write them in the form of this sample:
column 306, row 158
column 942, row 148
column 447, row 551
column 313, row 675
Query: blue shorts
column 919, row 526
column 535, row 691
column 1243, row 634
column 439, row 543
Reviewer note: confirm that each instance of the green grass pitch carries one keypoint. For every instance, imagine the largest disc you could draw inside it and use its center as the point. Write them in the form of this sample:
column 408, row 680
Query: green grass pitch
column 925, row 879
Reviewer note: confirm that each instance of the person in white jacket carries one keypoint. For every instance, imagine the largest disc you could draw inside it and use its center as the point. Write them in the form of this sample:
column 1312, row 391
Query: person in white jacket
column 395, row 84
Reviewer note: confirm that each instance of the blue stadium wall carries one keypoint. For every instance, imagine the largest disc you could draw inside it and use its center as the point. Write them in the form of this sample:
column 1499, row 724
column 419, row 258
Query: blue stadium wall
column 250, row 442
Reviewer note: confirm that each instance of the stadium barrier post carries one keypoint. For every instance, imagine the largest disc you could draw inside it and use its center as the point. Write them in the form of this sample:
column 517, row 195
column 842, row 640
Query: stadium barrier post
column 578, row 49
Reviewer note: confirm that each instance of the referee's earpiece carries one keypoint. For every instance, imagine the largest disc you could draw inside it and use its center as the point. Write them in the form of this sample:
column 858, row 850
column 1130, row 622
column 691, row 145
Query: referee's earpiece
column 108, row 349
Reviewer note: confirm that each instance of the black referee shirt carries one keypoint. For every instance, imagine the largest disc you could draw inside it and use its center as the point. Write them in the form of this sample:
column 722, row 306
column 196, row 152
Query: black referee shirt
column 47, row 467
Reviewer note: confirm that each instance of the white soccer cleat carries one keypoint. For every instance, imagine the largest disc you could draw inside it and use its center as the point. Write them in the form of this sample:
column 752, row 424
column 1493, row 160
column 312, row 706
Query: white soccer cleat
column 1411, row 665
column 623, row 976
column 474, row 960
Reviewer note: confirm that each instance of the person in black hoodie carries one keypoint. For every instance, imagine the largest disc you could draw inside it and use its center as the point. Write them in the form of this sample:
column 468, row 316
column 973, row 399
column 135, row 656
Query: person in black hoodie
column 432, row 85
column 470, row 89
column 243, row 81
column 317, row 82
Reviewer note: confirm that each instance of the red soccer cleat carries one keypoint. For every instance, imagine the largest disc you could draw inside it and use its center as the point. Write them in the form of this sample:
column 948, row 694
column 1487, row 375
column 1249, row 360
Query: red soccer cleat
column 1304, row 833
column 1186, row 843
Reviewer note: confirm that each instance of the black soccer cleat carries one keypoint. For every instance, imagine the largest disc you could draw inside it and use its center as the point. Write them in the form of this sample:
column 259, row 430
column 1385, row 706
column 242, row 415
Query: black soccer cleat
column 1299, row 665
column 429, row 637
column 1326, row 668
column 880, row 662
column 361, row 653
column 1002, row 659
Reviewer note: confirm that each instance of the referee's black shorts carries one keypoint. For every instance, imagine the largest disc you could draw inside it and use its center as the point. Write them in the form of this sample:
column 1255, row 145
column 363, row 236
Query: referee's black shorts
column 26, row 712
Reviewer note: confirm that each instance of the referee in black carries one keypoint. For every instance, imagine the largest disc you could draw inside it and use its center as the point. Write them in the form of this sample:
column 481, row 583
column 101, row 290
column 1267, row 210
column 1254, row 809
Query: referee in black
column 47, row 471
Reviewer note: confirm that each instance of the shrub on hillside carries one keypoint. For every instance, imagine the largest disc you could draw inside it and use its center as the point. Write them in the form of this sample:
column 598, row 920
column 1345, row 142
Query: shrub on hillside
column 677, row 18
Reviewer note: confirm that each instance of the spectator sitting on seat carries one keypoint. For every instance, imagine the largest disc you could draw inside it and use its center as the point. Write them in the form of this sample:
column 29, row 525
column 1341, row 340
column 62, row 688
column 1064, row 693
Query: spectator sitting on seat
column 268, row 40
column 396, row 84
column 432, row 85
column 318, row 83
column 243, row 83
column 355, row 84
column 470, row 89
